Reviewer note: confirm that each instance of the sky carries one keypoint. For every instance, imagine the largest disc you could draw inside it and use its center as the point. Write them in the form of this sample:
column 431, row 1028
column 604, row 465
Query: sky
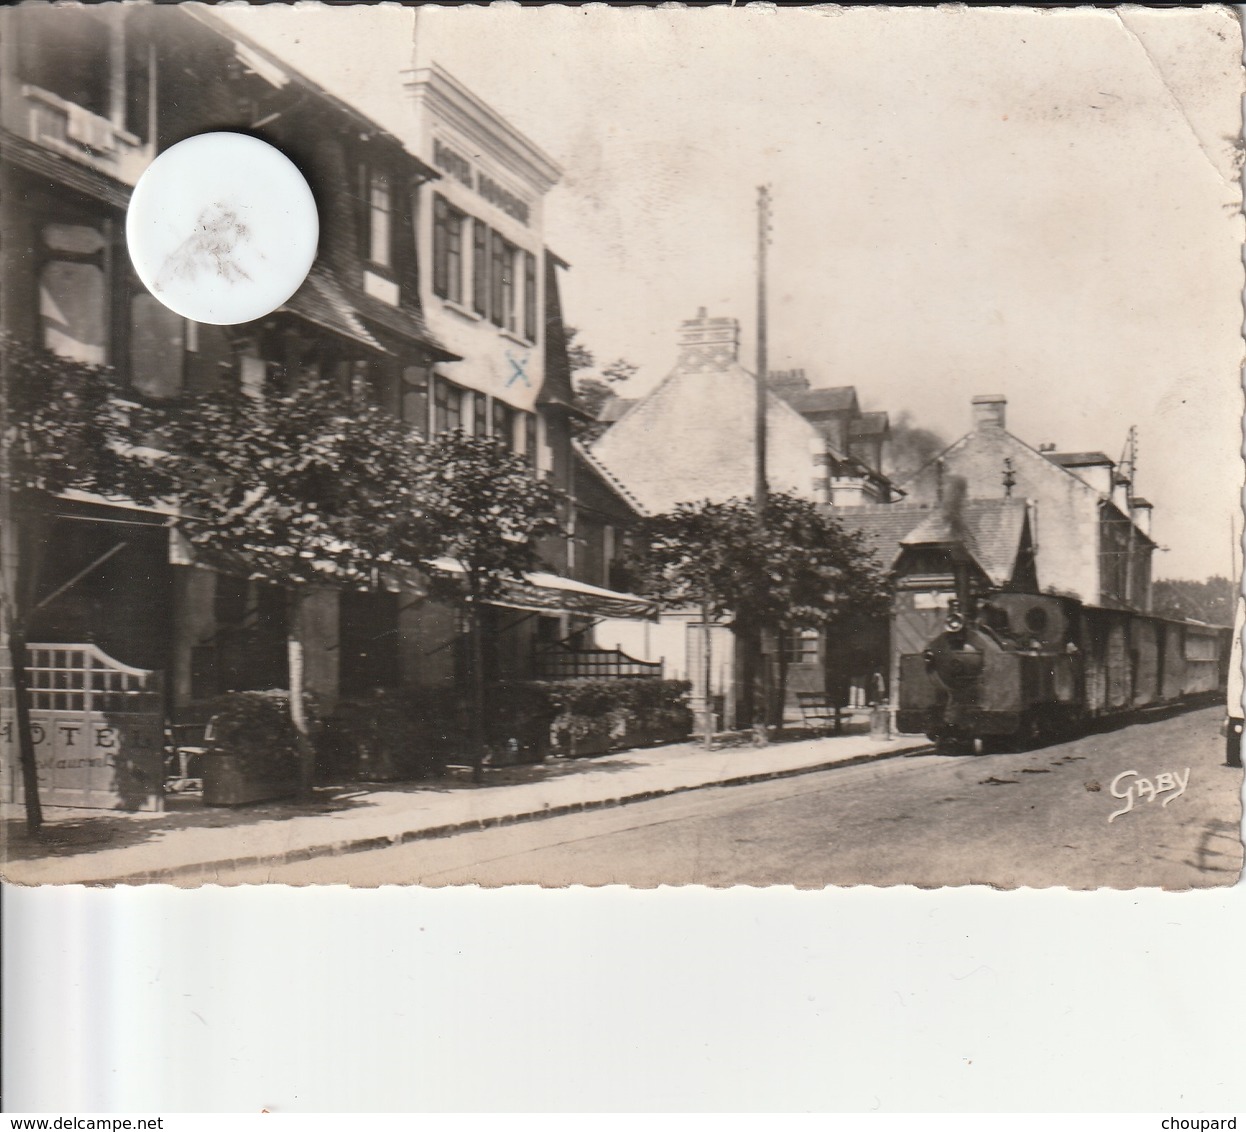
column 1043, row 204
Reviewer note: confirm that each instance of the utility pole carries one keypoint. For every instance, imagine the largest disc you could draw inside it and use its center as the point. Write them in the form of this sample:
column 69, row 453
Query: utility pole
column 763, row 239
column 755, row 643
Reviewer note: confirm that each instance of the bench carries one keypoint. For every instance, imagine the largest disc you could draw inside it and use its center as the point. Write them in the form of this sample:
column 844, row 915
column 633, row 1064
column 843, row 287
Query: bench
column 817, row 710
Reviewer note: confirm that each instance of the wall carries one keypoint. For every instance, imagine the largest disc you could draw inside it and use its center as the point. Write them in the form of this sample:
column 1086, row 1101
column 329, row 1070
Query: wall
column 692, row 439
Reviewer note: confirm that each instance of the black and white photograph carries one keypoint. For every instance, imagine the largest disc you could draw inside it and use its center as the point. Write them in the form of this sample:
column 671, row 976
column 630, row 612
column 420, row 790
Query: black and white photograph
column 601, row 446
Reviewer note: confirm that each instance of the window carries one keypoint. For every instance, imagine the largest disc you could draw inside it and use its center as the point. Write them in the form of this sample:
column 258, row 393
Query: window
column 71, row 307
column 415, row 397
column 504, row 423
column 480, row 267
column 67, row 53
column 72, row 295
column 497, row 261
column 447, row 250
column 447, row 406
column 157, row 343
column 529, row 296
column 509, row 255
column 480, row 414
column 801, row 646
column 380, row 227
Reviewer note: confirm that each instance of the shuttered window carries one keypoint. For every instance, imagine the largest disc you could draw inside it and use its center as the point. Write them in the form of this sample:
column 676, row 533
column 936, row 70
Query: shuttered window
column 497, row 268
column 529, row 296
column 440, row 270
column 480, row 267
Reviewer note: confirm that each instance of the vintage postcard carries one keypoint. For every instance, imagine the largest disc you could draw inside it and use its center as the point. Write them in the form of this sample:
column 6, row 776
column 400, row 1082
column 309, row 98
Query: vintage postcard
column 716, row 446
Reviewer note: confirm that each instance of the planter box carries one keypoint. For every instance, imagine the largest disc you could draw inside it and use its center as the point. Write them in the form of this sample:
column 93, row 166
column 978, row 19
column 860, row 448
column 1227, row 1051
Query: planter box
column 227, row 782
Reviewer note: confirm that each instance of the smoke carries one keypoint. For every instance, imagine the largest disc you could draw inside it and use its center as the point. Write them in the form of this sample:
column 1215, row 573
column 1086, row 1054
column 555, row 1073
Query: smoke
column 952, row 501
column 911, row 448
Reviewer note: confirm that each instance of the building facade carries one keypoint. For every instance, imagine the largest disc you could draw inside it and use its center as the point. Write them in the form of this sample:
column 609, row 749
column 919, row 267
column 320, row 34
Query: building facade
column 1091, row 532
column 443, row 335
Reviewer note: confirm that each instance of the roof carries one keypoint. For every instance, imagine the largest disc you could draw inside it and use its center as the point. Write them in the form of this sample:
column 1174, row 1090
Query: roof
column 990, row 530
column 256, row 53
column 613, row 409
column 882, row 526
column 606, row 476
column 404, row 320
column 837, row 399
column 1078, row 459
column 321, row 300
column 870, row 424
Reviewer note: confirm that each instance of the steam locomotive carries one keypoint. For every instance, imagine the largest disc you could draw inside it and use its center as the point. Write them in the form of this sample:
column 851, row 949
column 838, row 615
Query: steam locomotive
column 1022, row 668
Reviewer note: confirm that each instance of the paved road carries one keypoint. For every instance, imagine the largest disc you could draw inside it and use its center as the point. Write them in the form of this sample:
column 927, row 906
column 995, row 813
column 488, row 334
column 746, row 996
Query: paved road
column 1035, row 819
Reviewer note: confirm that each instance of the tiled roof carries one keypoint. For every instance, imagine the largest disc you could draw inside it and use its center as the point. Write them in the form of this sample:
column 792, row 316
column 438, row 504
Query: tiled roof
column 882, row 526
column 839, row 399
column 991, row 530
column 403, row 321
column 320, row 300
column 613, row 409
column 606, row 476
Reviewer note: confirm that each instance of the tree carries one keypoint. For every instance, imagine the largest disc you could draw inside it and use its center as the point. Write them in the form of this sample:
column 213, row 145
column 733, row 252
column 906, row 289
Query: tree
column 796, row 569
column 306, row 488
column 1212, row 600
column 63, row 425
column 485, row 511
column 593, row 391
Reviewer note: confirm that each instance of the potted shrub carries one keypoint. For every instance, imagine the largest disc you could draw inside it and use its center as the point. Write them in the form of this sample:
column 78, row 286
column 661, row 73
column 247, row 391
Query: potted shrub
column 518, row 727
column 253, row 752
column 597, row 716
column 384, row 738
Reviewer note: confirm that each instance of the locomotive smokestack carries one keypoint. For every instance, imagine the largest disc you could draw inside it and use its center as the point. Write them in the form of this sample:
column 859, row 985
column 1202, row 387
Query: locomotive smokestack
column 955, row 491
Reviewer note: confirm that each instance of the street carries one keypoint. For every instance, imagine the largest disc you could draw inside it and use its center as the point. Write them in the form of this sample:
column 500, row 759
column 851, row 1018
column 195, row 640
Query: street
column 1037, row 819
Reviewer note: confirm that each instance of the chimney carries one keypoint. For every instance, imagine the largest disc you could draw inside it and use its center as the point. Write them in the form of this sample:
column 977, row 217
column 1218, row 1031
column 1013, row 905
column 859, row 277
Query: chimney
column 1140, row 513
column 708, row 344
column 989, row 411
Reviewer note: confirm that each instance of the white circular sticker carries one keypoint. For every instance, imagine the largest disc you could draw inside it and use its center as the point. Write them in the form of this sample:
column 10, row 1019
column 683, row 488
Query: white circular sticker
column 222, row 228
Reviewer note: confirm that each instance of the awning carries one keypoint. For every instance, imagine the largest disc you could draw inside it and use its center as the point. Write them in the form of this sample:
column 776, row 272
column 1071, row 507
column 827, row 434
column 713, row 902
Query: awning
column 539, row 592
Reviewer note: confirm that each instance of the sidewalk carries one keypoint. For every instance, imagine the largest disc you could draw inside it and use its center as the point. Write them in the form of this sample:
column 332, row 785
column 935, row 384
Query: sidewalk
column 189, row 844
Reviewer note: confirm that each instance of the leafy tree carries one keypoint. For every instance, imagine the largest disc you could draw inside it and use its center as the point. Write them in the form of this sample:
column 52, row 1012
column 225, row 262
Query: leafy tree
column 485, row 510
column 795, row 569
column 63, row 425
column 301, row 489
column 579, row 355
column 593, row 391
column 591, row 394
column 1212, row 600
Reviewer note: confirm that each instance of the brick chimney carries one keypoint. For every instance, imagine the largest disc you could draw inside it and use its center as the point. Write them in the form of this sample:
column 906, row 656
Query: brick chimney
column 989, row 411
column 707, row 344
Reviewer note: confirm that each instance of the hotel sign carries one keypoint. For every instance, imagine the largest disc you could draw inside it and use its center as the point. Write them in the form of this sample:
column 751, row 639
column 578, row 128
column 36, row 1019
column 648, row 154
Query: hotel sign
column 462, row 170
